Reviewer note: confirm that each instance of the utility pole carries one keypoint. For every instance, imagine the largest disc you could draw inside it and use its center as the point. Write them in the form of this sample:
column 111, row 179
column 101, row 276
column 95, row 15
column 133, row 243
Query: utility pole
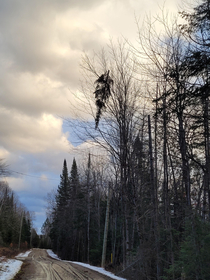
column 106, row 229
column 21, row 223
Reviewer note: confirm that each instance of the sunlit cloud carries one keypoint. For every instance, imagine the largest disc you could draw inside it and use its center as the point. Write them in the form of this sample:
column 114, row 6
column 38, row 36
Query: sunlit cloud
column 41, row 45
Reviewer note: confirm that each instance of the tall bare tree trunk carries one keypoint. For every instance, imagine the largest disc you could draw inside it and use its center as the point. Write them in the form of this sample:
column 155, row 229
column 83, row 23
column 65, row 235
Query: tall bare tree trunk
column 106, row 229
column 154, row 201
column 165, row 164
column 21, row 223
column 88, row 206
column 185, row 160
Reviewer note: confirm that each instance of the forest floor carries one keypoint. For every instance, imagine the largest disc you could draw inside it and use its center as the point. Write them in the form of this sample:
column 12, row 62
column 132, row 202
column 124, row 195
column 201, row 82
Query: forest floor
column 40, row 264
column 8, row 252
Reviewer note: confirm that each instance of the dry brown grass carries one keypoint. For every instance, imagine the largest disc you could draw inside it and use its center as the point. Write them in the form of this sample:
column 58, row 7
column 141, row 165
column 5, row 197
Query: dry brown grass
column 9, row 253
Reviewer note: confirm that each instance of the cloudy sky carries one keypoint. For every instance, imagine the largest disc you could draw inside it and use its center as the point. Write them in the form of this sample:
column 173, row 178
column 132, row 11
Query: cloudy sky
column 41, row 43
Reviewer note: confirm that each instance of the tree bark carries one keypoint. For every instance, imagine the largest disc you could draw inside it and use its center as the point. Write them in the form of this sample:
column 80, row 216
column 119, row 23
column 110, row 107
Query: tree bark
column 106, row 230
column 153, row 196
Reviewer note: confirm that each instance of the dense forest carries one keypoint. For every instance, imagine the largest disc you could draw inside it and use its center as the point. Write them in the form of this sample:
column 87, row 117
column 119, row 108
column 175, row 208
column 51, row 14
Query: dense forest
column 145, row 210
column 16, row 229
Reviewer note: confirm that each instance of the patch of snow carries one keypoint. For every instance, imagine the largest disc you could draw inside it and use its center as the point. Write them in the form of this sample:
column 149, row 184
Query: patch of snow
column 24, row 255
column 53, row 255
column 98, row 269
column 9, row 269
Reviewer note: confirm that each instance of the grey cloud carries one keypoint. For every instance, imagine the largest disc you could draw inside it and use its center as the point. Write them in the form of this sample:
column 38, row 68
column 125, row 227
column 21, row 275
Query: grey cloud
column 28, row 45
column 32, row 135
column 81, row 4
column 39, row 57
column 35, row 95
column 87, row 40
column 41, row 7
column 27, row 29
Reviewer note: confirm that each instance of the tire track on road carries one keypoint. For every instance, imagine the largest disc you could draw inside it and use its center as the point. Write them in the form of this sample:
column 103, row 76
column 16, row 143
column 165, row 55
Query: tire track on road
column 43, row 267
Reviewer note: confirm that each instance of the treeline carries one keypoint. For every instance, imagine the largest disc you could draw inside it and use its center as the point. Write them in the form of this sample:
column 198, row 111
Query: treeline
column 15, row 221
column 152, row 118
column 76, row 214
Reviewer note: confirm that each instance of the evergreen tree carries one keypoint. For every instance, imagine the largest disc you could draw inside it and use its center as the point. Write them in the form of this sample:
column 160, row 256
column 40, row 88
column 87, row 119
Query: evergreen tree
column 62, row 197
column 11, row 219
column 26, row 230
column 102, row 94
column 160, row 204
column 68, row 229
column 74, row 180
column 78, row 213
column 60, row 214
column 197, row 64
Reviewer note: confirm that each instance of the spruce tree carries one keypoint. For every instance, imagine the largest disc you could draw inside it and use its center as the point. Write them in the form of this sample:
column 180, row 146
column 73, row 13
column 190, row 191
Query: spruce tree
column 78, row 212
column 60, row 215
column 74, row 180
column 63, row 189
column 197, row 64
column 26, row 230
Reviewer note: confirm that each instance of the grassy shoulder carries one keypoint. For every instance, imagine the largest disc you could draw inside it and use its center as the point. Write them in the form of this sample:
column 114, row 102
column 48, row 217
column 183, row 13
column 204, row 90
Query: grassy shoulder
column 20, row 272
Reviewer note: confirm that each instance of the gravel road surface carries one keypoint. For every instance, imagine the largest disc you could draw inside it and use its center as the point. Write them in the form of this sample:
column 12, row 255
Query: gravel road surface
column 40, row 266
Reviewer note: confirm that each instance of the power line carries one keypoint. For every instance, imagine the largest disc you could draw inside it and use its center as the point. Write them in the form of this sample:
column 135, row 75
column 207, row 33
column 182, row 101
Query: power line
column 33, row 176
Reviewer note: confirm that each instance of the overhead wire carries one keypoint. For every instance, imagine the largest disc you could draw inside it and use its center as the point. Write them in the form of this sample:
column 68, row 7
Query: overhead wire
column 33, row 176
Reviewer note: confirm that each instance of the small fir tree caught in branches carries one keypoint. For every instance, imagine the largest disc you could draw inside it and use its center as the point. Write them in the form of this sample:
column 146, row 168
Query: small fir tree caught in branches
column 102, row 94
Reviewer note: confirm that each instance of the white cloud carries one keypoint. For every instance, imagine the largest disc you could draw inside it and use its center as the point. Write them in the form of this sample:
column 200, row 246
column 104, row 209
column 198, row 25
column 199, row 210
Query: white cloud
column 41, row 43
column 3, row 153
column 17, row 184
column 34, row 94
column 25, row 133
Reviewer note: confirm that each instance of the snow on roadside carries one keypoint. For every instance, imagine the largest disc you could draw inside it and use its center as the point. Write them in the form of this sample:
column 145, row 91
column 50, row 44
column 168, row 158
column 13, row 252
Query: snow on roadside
column 53, row 255
column 98, row 269
column 101, row 270
column 10, row 267
column 23, row 255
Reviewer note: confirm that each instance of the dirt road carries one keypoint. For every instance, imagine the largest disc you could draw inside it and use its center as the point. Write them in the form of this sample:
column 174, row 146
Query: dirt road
column 40, row 266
